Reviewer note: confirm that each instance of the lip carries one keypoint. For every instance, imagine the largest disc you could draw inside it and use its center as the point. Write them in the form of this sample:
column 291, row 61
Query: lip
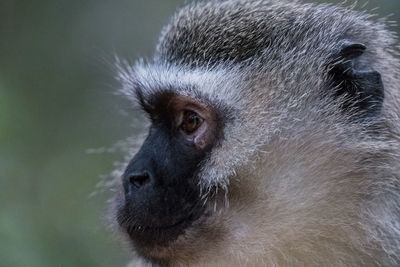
column 142, row 228
column 152, row 236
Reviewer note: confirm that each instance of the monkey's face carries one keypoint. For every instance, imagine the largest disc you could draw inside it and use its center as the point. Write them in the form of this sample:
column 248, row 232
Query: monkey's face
column 161, row 192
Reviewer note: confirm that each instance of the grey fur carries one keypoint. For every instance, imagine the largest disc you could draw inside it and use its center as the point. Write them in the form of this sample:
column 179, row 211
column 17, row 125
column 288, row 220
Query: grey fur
column 296, row 181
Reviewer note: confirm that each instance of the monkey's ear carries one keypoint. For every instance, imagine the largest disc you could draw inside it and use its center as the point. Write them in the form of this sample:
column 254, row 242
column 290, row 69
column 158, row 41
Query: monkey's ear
column 361, row 86
column 350, row 50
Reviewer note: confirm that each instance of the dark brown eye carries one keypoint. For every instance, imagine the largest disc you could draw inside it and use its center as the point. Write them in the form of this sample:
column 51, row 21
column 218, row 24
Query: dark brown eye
column 191, row 121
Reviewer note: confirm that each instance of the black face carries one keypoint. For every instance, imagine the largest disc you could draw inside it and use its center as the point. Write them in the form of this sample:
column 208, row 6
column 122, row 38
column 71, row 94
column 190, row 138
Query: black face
column 160, row 188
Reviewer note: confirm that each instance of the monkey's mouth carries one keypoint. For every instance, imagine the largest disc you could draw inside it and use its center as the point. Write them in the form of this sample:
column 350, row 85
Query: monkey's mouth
column 143, row 229
column 148, row 236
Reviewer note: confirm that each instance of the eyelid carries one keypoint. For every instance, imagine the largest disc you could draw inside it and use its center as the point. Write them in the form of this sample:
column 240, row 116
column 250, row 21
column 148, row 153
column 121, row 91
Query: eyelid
column 195, row 108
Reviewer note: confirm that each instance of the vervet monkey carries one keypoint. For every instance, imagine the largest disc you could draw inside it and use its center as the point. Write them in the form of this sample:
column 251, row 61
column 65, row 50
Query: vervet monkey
column 274, row 139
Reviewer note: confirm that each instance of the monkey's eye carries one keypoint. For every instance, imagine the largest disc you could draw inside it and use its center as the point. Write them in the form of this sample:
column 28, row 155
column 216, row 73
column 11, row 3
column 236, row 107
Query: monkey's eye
column 191, row 121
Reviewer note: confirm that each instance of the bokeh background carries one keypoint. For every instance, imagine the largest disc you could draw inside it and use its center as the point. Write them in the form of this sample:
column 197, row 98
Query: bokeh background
column 57, row 103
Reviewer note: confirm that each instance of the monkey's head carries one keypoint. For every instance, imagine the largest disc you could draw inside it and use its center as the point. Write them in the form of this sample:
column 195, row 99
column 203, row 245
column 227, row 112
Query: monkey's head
column 269, row 136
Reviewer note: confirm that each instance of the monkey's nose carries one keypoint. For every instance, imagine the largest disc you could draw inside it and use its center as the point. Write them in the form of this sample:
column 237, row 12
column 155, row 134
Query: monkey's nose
column 139, row 179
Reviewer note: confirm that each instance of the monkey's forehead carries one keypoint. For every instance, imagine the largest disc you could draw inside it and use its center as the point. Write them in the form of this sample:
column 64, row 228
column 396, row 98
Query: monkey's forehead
column 213, row 32
column 215, row 85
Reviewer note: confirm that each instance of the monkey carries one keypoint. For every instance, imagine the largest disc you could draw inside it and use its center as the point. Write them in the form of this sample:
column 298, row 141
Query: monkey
column 273, row 139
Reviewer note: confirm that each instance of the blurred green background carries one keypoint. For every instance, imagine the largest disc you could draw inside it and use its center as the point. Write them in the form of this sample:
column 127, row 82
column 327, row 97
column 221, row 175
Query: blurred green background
column 56, row 103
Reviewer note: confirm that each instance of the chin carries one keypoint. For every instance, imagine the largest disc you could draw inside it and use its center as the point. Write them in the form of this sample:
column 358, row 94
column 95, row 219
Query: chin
column 169, row 241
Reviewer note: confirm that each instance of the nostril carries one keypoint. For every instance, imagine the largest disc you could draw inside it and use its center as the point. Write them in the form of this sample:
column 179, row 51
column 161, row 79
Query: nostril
column 139, row 179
